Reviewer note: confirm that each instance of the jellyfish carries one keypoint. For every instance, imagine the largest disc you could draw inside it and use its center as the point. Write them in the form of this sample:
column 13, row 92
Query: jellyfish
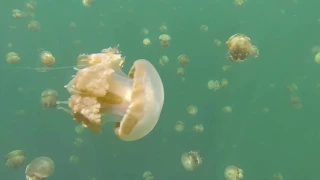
column 227, row 109
column 239, row 46
column 145, row 31
column 179, row 126
column 49, row 98
column 146, row 41
column 191, row 160
column 198, row 128
column 12, row 58
column 183, row 60
column 164, row 40
column 233, row 173
column 217, row 42
column 204, row 28
column 40, row 169
column 78, row 142
column 214, row 85
column 163, row 29
column 34, row 26
column 163, row 60
column 317, row 58
column 47, row 58
column 15, row 159
column 192, row 110
column 180, row 71
column 224, row 82
column 17, row 14
column 101, row 88
column 88, row 3
column 31, row 5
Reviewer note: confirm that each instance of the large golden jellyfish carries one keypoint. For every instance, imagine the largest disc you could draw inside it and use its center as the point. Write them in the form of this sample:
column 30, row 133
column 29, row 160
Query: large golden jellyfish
column 15, row 159
column 191, row 160
column 233, row 173
column 100, row 88
column 47, row 58
column 239, row 46
column 40, row 169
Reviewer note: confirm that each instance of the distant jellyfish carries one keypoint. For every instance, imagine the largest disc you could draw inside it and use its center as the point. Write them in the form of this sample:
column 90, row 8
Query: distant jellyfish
column 227, row 109
column 49, row 99
column 183, row 60
column 34, row 26
column 163, row 60
column 147, row 175
column 79, row 129
column 15, row 159
column 217, row 42
column 163, row 29
column 74, row 159
column 47, row 58
column 31, row 5
column 180, row 71
column 145, row 31
column 146, row 41
column 191, row 160
column 204, row 28
column 88, row 3
column 12, row 58
column 224, row 83
column 214, row 85
column 277, row 176
column 17, row 14
column 198, row 128
column 239, row 46
column 317, row 58
column 78, row 142
column 226, row 68
column 179, row 126
column 164, row 40
column 192, row 110
column 40, row 169
column 233, row 173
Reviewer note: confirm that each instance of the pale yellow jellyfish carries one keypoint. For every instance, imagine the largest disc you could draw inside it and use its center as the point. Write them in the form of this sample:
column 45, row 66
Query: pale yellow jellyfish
column 145, row 31
column 227, row 109
column 146, row 41
column 292, row 88
column 15, row 159
column 233, row 173
column 78, row 142
column 191, row 160
column 183, row 60
column 317, row 58
column 147, row 175
column 296, row 102
column 179, row 126
column 40, row 169
column 163, row 29
column 49, row 98
column 88, row 3
column 47, row 58
column 74, row 159
column 192, row 110
column 163, row 60
column 31, row 5
column 34, row 26
column 214, row 85
column 198, row 128
column 239, row 2
column 239, row 46
column 254, row 51
column 180, row 71
column 17, row 14
column 79, row 129
column 226, row 68
column 100, row 88
column 12, row 58
column 204, row 28
column 164, row 40
column 224, row 83
column 217, row 42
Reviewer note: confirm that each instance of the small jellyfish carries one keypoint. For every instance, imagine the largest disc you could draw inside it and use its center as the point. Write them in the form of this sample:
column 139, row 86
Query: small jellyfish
column 164, row 40
column 146, row 41
column 17, row 14
column 12, row 58
column 224, row 83
column 49, row 98
column 73, row 25
column 217, row 42
column 239, row 2
column 183, row 60
column 145, row 31
column 214, row 85
column 191, row 160
column 79, row 129
column 100, row 88
column 227, row 109
column 74, row 159
column 88, row 3
column 147, row 175
column 277, row 176
column 192, row 110
column 239, row 46
column 198, row 128
column 40, row 169
column 292, row 88
column 233, row 173
column 204, row 28
column 226, row 68
column 15, row 159
column 317, row 58
column 78, row 142
column 163, row 29
column 179, row 126
column 34, row 26
column 254, row 51
column 180, row 71
column 296, row 102
column 47, row 58
column 163, row 60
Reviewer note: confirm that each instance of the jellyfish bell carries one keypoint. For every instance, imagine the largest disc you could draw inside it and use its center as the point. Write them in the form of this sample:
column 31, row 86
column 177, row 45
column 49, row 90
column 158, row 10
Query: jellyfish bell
column 191, row 160
column 40, row 168
column 233, row 173
column 15, row 159
column 49, row 99
column 47, row 58
column 102, row 88
column 239, row 46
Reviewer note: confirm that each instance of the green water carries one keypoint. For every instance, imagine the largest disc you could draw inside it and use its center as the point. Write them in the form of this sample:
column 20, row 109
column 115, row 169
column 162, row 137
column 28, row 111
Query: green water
column 261, row 143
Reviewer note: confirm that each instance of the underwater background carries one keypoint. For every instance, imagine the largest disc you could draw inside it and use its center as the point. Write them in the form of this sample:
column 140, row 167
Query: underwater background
column 263, row 134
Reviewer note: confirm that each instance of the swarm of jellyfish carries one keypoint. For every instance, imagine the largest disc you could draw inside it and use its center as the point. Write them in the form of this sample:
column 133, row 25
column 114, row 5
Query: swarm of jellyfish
column 40, row 169
column 191, row 160
column 100, row 88
column 15, row 159
column 233, row 173
column 240, row 47
column 163, row 60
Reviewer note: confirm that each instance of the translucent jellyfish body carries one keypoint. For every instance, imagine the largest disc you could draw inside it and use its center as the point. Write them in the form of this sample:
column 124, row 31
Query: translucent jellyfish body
column 49, row 98
column 47, row 58
column 101, row 88
column 15, row 159
column 233, row 173
column 40, row 169
column 164, row 40
column 191, row 160
column 239, row 46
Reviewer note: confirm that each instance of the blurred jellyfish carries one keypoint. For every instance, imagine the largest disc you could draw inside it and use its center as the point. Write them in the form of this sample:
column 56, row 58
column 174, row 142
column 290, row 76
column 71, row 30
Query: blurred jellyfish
column 78, row 142
column 214, row 85
column 198, row 128
column 233, row 173
column 224, row 83
column 34, row 26
column 17, row 14
column 254, row 51
column 296, row 102
column 179, row 126
column 47, row 58
column 88, row 3
column 317, row 58
column 204, row 28
column 227, row 109
column 192, row 110
column 226, row 68
column 191, row 160
column 49, row 98
column 40, row 169
column 145, row 31
column 277, row 176
column 146, row 41
column 164, row 40
column 183, row 60
column 180, row 71
column 15, row 159
column 74, row 159
column 163, row 29
column 12, row 58
column 147, row 175
column 79, row 129
column 163, row 60
column 31, row 5
column 217, row 42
